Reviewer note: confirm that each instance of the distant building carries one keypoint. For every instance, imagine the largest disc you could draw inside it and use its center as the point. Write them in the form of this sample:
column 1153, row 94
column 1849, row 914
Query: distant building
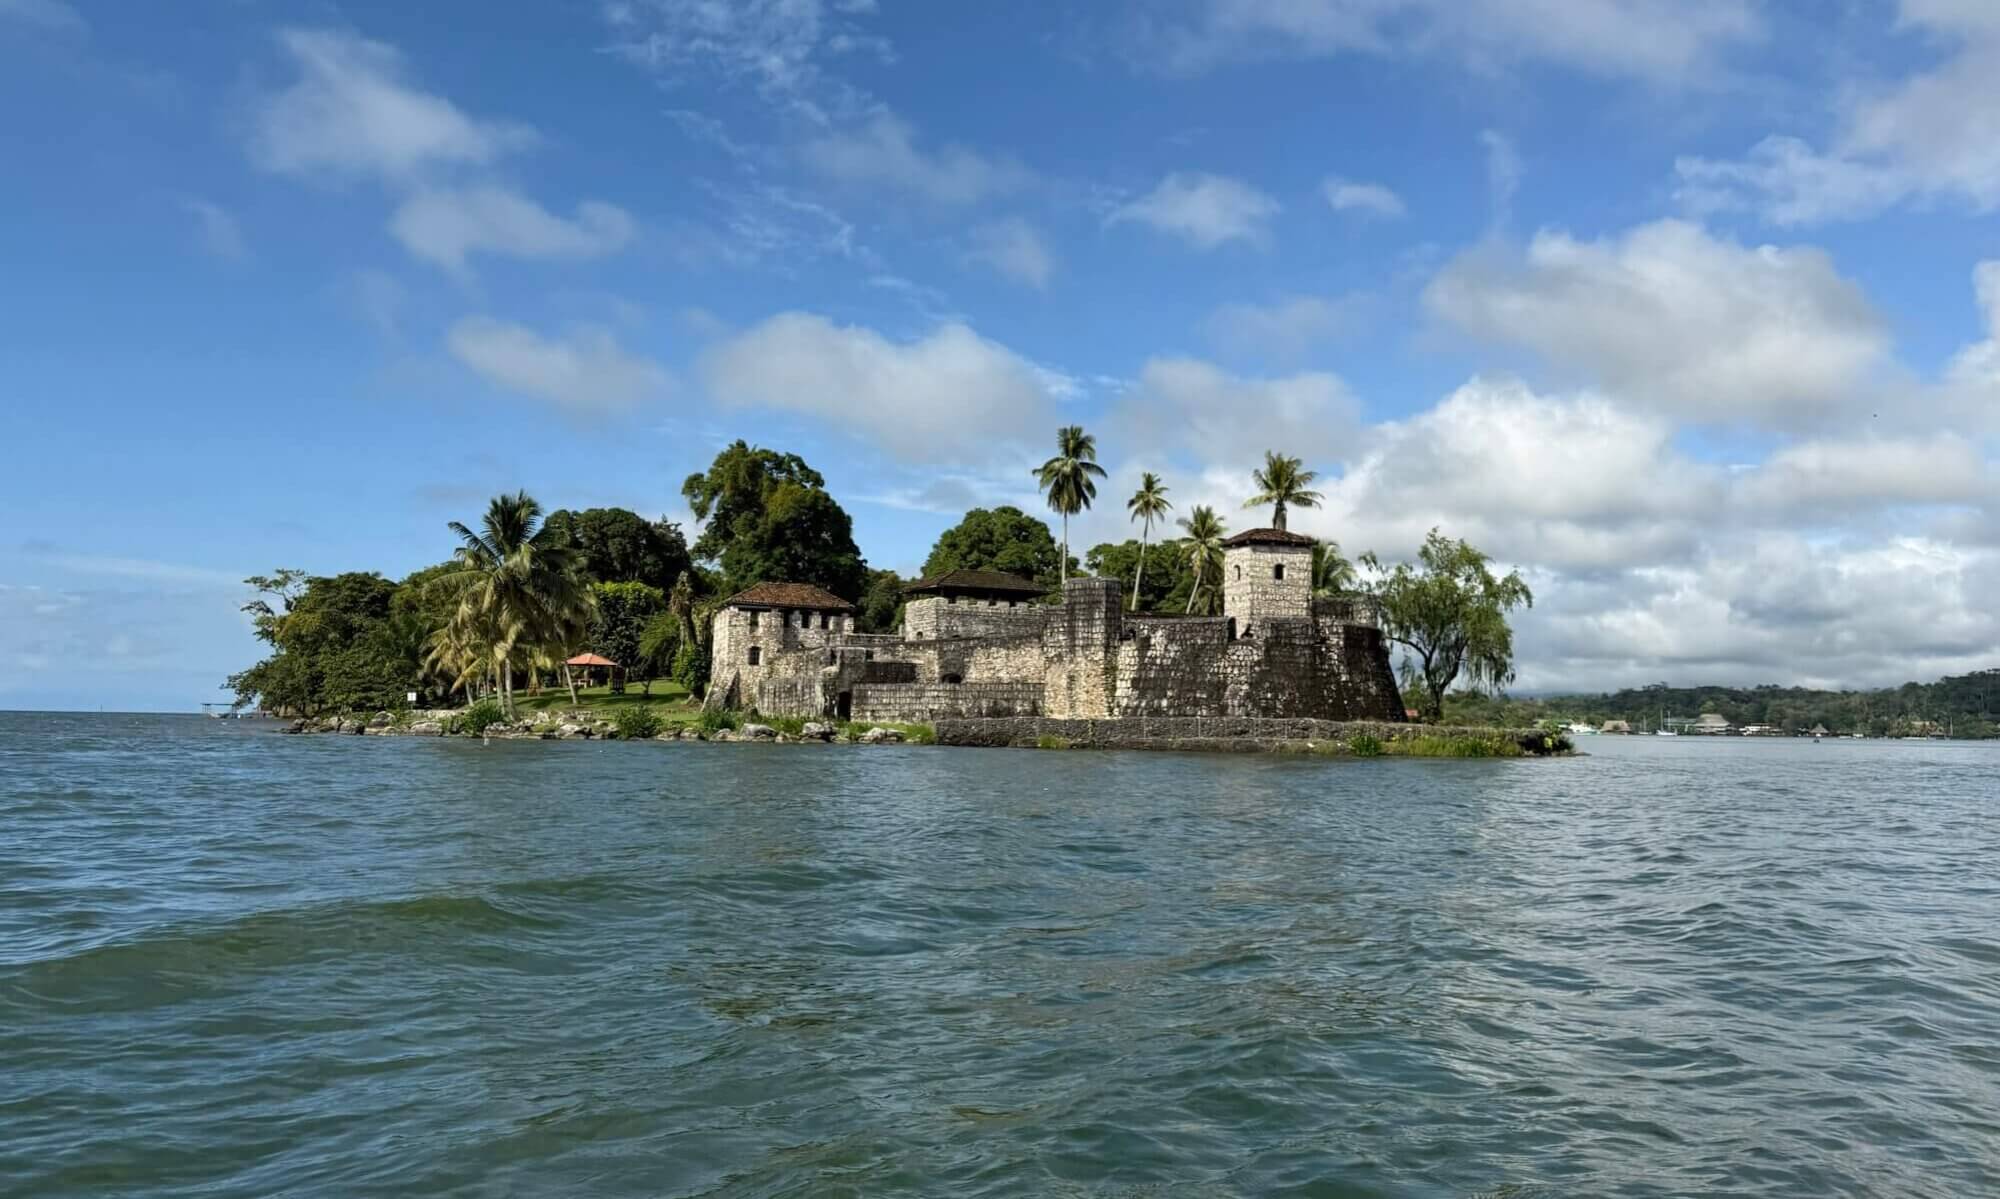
column 1618, row 726
column 1711, row 723
column 1820, row 730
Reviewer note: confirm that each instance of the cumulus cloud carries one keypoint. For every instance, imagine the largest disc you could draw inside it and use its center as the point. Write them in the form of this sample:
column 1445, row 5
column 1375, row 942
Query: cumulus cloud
column 1363, row 199
column 883, row 152
column 1289, row 328
column 446, row 225
column 1203, row 412
column 1835, row 476
column 352, row 112
column 1016, row 250
column 1664, row 42
column 1933, row 137
column 1204, row 210
column 951, row 395
column 583, row 371
column 1670, row 315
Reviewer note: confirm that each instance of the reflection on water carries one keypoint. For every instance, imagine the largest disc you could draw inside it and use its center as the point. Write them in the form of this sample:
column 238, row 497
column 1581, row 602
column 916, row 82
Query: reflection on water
column 233, row 963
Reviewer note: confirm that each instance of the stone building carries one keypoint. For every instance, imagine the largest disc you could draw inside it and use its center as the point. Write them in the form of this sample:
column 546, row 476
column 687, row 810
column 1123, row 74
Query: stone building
column 981, row 643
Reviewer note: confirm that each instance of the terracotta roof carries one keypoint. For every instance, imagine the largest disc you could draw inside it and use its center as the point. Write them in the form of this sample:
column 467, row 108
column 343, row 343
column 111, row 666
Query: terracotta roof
column 1270, row 537
column 980, row 581
column 788, row 595
column 589, row 660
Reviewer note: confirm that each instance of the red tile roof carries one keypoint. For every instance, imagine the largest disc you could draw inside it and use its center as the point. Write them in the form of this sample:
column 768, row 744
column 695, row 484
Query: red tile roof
column 1270, row 537
column 979, row 582
column 788, row 595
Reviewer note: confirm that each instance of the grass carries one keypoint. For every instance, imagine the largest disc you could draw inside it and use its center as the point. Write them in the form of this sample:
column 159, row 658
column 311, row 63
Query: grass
column 666, row 697
column 1051, row 741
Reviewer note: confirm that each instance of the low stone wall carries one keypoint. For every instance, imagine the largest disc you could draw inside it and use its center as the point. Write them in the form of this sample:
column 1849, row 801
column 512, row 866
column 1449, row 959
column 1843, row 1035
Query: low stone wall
column 1238, row 734
column 921, row 703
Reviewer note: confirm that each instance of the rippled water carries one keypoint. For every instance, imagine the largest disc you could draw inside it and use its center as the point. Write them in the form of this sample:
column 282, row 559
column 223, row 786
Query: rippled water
column 233, row 963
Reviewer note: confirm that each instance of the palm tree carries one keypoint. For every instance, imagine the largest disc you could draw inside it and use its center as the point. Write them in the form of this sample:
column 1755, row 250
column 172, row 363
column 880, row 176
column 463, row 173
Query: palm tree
column 1282, row 484
column 1202, row 545
column 1332, row 573
column 521, row 594
column 1147, row 505
column 1067, row 479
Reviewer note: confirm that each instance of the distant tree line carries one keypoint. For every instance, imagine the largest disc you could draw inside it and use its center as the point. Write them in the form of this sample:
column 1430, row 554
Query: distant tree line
column 1964, row 705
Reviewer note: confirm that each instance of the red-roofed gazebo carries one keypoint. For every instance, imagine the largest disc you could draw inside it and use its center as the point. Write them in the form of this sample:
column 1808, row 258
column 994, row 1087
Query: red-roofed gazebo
column 590, row 662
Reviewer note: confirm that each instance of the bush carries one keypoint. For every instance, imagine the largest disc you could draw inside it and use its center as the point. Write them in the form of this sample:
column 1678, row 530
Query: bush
column 1365, row 745
column 636, row 722
column 714, row 720
column 477, row 718
column 1051, row 741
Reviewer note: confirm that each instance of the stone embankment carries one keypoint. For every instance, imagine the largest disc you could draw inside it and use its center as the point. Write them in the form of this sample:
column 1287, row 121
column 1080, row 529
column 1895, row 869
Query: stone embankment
column 582, row 726
column 1219, row 734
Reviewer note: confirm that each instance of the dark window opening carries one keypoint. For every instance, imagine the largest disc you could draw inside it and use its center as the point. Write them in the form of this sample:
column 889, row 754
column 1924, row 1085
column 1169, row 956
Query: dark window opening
column 1278, row 572
column 753, row 618
column 756, row 655
column 869, row 656
column 954, row 678
column 1239, row 572
column 950, row 599
column 825, row 621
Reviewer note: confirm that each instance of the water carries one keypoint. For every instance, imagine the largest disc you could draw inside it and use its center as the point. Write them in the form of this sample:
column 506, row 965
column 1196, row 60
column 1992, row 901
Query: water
column 238, row 964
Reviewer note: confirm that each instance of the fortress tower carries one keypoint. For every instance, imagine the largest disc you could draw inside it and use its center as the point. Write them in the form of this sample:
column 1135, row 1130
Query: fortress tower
column 1267, row 575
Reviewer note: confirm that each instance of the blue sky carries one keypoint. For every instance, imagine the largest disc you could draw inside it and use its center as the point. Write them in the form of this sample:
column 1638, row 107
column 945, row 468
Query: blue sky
column 1686, row 307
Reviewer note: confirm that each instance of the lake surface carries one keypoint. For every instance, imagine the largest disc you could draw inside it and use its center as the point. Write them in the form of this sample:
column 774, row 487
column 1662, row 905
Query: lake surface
column 239, row 964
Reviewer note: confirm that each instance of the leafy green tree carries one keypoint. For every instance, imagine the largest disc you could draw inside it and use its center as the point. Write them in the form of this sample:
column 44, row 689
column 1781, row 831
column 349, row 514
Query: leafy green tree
column 770, row 519
column 1166, row 580
column 1450, row 614
column 1202, row 534
column 616, row 545
column 1069, row 479
column 1147, row 505
column 1283, row 483
column 1003, row 538
column 623, row 611
column 1332, row 573
column 659, row 645
column 334, row 645
column 881, row 603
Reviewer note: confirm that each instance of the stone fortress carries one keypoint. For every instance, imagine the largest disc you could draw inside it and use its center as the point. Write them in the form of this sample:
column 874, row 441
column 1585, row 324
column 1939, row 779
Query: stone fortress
column 985, row 644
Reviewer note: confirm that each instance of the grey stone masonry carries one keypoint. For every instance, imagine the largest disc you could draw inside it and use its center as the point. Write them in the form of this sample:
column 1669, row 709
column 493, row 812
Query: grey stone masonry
column 1267, row 582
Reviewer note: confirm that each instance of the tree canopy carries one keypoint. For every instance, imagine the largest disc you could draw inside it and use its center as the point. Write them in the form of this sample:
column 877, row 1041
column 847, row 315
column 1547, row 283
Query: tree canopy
column 1284, row 483
column 1166, row 583
column 1003, row 538
column 617, row 545
column 1069, row 480
column 333, row 645
column 770, row 519
column 1450, row 613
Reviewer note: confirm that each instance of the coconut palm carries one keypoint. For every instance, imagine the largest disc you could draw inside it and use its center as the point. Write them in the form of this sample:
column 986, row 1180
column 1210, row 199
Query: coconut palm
column 1067, row 479
column 1201, row 543
column 1282, row 483
column 1332, row 573
column 520, row 592
column 1147, row 505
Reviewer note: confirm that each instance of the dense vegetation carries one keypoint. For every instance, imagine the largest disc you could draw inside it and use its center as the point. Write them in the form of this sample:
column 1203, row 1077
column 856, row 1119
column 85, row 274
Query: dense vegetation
column 1964, row 705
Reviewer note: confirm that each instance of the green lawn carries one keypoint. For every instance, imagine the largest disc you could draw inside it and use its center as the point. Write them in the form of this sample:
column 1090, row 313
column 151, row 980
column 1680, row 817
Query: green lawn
column 670, row 698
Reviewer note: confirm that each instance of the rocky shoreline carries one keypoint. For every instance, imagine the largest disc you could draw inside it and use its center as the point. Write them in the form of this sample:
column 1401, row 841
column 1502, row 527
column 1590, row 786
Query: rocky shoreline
column 580, row 726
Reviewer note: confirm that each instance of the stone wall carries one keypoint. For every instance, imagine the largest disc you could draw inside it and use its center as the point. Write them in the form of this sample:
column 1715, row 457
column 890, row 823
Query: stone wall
column 1251, row 590
column 1238, row 734
column 925, row 702
column 777, row 636
column 943, row 618
column 1079, row 647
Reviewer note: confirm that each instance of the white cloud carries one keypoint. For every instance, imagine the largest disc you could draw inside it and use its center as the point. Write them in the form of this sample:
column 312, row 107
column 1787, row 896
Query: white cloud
column 1834, row 477
column 584, row 371
column 220, row 234
column 445, row 225
column 352, row 113
column 949, row 396
column 1014, row 248
column 776, row 47
column 1669, row 315
column 1366, row 199
column 1503, row 174
column 1215, row 417
column 882, row 152
column 1665, row 42
column 1205, row 210
column 1933, row 137
column 1290, row 328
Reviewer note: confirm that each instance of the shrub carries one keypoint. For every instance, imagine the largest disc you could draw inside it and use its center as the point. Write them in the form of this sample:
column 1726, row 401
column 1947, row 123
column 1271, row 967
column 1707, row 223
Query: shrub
column 477, row 718
column 1365, row 745
column 789, row 725
column 1051, row 741
column 714, row 720
column 636, row 722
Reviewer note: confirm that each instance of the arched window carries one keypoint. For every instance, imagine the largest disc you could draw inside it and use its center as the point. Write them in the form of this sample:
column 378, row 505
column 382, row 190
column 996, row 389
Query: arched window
column 953, row 679
column 756, row 655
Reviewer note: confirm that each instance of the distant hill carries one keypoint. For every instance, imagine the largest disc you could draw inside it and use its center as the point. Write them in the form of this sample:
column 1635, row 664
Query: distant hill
column 1968, row 705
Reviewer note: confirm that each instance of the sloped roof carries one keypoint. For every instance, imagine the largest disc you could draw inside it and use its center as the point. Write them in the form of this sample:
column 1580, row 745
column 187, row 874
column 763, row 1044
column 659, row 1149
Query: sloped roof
column 788, row 595
column 995, row 582
column 1270, row 537
column 589, row 660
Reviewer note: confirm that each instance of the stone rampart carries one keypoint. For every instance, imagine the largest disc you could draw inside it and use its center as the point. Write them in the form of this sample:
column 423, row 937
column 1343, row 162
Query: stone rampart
column 948, row 618
column 926, row 702
column 1222, row 734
